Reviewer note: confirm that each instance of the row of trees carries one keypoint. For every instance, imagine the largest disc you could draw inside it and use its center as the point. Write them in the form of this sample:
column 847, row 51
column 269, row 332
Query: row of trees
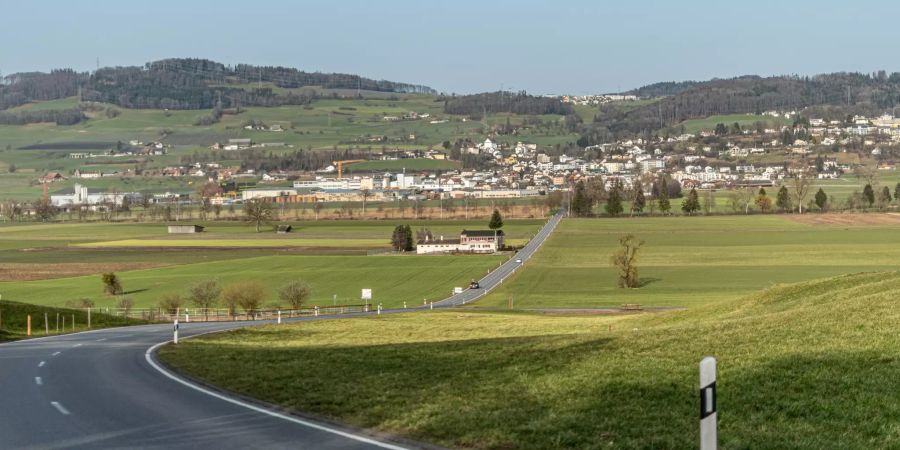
column 246, row 295
column 587, row 195
column 788, row 198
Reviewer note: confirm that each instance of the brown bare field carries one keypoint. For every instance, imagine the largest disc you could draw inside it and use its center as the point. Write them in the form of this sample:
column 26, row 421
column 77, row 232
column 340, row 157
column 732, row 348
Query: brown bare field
column 46, row 271
column 850, row 219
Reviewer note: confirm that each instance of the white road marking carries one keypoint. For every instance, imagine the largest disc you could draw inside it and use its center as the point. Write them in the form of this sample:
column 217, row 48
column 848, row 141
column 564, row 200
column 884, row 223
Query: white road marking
column 148, row 356
column 76, row 345
column 62, row 410
column 38, row 381
column 55, row 353
column 101, row 340
column 41, row 364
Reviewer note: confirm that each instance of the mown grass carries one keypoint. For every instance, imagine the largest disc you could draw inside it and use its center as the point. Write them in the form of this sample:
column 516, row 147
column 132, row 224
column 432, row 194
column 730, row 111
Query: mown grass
column 812, row 365
column 393, row 279
column 14, row 320
column 690, row 261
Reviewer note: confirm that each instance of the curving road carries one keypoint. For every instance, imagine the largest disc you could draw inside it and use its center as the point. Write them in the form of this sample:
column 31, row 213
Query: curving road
column 104, row 389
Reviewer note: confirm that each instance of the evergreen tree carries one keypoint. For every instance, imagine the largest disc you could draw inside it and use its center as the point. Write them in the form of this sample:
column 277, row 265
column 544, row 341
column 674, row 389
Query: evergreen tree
column 885, row 197
column 763, row 202
column 402, row 238
column 897, row 192
column 614, row 202
column 691, row 204
column 783, row 199
column 821, row 199
column 663, row 195
column 582, row 204
column 639, row 201
column 496, row 221
column 869, row 194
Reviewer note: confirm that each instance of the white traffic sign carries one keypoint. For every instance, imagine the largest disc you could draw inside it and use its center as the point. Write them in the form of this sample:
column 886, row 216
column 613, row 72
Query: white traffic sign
column 708, row 432
column 367, row 294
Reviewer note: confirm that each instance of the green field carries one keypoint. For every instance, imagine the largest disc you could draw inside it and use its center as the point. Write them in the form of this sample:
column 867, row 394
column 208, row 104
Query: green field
column 811, row 365
column 330, row 255
column 694, row 126
column 691, row 261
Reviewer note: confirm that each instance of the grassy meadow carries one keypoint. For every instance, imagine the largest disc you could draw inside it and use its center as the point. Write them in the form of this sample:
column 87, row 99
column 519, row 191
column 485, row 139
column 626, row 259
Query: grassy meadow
column 59, row 264
column 691, row 261
column 811, row 365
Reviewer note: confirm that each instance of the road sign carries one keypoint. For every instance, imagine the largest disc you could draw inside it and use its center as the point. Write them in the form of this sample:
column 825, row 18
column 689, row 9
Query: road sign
column 367, row 294
column 708, row 431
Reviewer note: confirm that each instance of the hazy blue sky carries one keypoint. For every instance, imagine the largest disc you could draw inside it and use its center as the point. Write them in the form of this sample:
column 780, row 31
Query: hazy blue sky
column 575, row 46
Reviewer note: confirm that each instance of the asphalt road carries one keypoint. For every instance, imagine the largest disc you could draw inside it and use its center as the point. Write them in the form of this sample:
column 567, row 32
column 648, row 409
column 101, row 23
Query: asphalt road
column 99, row 390
column 104, row 389
column 496, row 277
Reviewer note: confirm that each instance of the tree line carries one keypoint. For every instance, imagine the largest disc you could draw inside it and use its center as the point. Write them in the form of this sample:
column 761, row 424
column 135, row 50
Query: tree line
column 185, row 84
column 477, row 105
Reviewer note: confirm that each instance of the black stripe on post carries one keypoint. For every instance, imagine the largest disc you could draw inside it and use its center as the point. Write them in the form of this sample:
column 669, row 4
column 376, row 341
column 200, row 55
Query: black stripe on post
column 708, row 400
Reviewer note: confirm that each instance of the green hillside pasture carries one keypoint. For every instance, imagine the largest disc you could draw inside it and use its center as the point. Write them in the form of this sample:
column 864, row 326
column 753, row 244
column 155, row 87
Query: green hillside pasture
column 745, row 120
column 812, row 365
column 690, row 261
column 394, row 279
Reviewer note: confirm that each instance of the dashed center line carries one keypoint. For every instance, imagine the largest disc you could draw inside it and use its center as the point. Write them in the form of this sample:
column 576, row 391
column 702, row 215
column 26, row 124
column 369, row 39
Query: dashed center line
column 55, row 353
column 62, row 410
column 38, row 381
column 76, row 345
column 101, row 340
column 41, row 364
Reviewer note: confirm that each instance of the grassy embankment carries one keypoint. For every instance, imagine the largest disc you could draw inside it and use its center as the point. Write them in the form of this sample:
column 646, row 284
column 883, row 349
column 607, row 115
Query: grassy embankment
column 14, row 320
column 811, row 365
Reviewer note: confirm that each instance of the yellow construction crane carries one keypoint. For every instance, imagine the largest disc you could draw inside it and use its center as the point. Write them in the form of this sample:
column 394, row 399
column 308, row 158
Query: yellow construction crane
column 340, row 165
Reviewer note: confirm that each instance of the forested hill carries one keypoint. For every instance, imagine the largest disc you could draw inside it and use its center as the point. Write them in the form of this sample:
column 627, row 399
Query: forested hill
column 663, row 89
column 850, row 92
column 512, row 102
column 186, row 84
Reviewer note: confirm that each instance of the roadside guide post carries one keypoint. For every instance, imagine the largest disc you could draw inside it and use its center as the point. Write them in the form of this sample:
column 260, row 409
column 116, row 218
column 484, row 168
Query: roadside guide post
column 279, row 317
column 708, row 417
column 175, row 331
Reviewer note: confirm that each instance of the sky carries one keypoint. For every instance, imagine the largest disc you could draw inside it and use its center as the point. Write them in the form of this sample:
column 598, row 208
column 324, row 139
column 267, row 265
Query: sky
column 464, row 46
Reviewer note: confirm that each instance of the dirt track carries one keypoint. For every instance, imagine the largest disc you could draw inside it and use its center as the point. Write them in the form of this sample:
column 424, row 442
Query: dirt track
column 42, row 271
column 849, row 219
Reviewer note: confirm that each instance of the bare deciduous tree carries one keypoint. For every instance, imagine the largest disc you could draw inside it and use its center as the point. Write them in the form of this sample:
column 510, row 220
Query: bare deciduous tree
column 625, row 259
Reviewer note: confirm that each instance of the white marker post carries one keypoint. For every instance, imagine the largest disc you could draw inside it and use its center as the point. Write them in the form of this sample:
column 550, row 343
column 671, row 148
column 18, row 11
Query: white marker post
column 176, row 331
column 379, row 309
column 708, row 432
column 279, row 317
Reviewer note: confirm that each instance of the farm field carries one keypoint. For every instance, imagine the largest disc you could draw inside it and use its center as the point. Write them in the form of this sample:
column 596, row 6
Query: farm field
column 58, row 264
column 800, row 366
column 745, row 120
column 692, row 261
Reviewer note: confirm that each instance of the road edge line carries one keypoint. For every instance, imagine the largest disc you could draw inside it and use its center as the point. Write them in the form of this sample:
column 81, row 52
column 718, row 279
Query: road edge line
column 149, row 355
